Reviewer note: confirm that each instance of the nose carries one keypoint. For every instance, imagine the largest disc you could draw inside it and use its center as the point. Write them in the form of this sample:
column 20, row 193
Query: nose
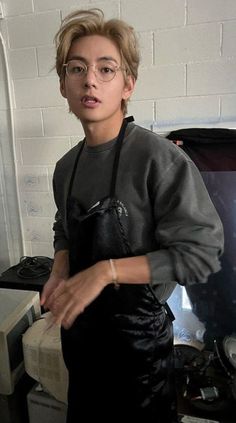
column 90, row 76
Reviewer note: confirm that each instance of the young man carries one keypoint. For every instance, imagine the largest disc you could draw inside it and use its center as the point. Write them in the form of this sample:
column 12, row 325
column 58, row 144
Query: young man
column 134, row 218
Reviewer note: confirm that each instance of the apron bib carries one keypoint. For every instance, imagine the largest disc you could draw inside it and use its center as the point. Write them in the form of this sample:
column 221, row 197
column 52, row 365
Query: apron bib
column 123, row 341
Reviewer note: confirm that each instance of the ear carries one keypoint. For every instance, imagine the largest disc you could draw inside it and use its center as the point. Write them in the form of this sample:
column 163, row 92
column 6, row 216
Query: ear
column 63, row 87
column 128, row 88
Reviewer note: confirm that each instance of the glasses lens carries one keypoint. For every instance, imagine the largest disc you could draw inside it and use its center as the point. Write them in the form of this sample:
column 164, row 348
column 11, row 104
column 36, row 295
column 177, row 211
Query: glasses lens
column 106, row 71
column 76, row 69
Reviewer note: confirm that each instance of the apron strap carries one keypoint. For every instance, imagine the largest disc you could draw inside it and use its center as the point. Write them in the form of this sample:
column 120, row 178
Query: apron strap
column 117, row 155
column 116, row 159
column 74, row 170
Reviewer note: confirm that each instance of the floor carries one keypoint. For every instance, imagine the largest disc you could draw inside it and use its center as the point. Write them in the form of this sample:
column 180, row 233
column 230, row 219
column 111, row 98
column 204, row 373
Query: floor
column 13, row 409
column 226, row 412
column 206, row 389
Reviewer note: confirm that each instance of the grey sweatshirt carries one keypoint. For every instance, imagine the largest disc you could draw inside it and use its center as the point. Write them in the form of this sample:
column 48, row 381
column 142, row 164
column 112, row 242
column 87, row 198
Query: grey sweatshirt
column 169, row 213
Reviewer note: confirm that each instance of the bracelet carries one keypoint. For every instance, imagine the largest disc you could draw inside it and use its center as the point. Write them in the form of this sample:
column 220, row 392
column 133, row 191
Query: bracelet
column 114, row 273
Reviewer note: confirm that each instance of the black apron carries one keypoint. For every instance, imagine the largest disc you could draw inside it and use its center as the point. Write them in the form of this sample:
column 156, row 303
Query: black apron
column 119, row 351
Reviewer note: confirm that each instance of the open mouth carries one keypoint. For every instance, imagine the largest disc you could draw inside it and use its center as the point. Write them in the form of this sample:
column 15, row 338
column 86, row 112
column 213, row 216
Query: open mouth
column 89, row 100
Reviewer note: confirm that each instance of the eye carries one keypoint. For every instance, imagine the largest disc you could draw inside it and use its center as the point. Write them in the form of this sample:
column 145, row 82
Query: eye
column 76, row 68
column 107, row 69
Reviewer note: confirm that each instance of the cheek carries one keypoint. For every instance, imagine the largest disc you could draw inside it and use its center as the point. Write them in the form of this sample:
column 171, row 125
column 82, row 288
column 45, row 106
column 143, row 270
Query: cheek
column 72, row 95
column 117, row 93
column 63, row 88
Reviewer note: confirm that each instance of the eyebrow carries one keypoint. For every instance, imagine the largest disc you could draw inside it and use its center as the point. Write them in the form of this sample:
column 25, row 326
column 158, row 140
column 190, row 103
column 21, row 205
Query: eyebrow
column 100, row 59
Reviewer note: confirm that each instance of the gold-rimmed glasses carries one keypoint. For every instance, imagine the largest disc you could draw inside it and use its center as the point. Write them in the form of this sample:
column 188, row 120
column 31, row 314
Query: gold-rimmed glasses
column 104, row 70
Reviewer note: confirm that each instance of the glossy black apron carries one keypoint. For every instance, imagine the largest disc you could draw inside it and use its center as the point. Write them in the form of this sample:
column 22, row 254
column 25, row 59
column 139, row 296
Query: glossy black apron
column 119, row 351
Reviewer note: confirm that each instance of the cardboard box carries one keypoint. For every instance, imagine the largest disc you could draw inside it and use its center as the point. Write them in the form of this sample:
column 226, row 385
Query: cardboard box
column 42, row 407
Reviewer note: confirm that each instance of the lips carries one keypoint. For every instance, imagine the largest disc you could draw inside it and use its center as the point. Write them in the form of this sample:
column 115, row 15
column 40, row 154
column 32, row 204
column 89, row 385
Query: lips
column 89, row 100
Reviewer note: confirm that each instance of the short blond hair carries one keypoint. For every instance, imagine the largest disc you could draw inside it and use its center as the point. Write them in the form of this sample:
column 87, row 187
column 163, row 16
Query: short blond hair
column 91, row 22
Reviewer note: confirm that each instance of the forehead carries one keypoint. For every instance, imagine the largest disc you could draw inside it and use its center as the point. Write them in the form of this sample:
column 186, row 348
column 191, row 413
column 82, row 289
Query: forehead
column 93, row 47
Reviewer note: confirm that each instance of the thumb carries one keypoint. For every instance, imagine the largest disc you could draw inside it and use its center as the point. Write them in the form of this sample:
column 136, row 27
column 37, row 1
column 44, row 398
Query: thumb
column 43, row 296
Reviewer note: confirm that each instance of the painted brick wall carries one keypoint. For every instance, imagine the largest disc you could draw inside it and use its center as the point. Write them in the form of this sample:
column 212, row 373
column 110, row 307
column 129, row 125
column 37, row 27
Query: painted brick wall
column 186, row 78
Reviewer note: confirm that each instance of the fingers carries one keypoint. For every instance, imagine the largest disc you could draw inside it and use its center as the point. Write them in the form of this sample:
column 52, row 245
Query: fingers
column 69, row 298
column 43, row 296
column 66, row 308
column 48, row 289
column 61, row 302
column 43, row 300
column 71, row 314
column 52, row 295
column 49, row 321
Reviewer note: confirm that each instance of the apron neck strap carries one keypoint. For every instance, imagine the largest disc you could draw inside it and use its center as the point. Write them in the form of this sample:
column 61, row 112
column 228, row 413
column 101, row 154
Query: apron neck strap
column 119, row 142
column 116, row 159
column 74, row 169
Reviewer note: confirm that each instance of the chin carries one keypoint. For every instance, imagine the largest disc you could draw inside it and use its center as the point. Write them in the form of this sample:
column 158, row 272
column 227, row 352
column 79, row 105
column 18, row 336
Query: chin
column 95, row 115
column 87, row 115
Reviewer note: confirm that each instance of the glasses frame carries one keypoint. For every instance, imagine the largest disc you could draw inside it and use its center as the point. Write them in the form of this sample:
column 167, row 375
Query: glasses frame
column 65, row 65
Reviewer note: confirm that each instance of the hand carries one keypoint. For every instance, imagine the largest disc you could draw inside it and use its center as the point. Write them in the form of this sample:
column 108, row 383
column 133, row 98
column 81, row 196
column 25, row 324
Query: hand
column 71, row 297
column 48, row 289
column 60, row 272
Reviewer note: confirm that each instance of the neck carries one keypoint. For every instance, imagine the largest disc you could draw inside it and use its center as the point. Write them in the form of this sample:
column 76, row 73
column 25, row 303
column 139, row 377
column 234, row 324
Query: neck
column 101, row 132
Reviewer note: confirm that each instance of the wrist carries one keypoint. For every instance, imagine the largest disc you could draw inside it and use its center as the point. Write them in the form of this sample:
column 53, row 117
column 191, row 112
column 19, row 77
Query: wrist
column 113, row 270
column 60, row 267
column 59, row 275
column 108, row 274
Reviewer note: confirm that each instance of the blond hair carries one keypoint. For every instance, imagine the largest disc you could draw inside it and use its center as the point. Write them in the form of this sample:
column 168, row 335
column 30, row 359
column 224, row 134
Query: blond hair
column 91, row 22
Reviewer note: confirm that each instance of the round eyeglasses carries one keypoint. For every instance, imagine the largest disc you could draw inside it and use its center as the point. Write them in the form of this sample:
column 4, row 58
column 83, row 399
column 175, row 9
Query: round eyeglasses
column 105, row 71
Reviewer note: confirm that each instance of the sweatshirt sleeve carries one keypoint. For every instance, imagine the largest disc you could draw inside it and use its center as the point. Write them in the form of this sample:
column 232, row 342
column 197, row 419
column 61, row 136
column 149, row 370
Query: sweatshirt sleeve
column 60, row 238
column 188, row 228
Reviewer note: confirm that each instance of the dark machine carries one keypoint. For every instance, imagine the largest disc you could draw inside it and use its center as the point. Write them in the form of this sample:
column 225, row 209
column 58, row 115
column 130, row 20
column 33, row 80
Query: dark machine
column 207, row 378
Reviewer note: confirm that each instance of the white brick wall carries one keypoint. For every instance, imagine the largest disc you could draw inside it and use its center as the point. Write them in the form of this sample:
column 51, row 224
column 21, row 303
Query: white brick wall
column 33, row 29
column 43, row 151
column 210, row 10
column 14, row 8
column 211, row 77
column 188, row 44
column 37, row 92
column 186, row 77
column 149, row 15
